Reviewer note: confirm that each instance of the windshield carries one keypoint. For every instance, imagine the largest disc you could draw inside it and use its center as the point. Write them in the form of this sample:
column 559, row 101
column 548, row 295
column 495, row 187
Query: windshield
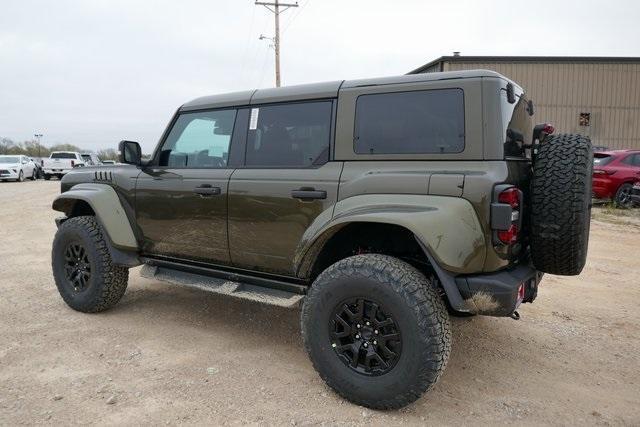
column 519, row 126
column 63, row 156
column 9, row 159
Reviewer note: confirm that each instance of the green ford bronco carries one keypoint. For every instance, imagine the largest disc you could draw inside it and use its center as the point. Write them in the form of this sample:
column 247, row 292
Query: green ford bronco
column 382, row 206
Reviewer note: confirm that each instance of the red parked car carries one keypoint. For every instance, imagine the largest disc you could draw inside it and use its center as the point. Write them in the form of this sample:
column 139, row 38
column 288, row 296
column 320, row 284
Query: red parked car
column 614, row 173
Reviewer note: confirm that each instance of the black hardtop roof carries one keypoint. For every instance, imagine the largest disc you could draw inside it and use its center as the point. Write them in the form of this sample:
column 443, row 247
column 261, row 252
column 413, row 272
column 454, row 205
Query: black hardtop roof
column 320, row 90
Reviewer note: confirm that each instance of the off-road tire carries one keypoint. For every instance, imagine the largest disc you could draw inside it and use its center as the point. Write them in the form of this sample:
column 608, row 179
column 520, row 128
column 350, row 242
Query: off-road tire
column 20, row 176
column 622, row 198
column 415, row 306
column 107, row 283
column 561, row 204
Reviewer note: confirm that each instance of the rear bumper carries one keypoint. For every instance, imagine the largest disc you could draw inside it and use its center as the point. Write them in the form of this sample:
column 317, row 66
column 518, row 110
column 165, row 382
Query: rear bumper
column 53, row 171
column 499, row 293
column 603, row 188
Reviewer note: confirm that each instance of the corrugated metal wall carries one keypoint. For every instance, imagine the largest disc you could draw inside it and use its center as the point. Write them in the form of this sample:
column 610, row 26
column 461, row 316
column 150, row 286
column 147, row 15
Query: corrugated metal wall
column 610, row 92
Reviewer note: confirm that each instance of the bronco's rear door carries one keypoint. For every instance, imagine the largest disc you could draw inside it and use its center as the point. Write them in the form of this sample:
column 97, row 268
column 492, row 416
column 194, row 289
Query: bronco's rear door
column 286, row 183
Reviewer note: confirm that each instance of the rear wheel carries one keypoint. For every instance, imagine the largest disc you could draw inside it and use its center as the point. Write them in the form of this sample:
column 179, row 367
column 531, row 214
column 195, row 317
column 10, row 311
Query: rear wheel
column 623, row 197
column 561, row 204
column 376, row 331
column 85, row 275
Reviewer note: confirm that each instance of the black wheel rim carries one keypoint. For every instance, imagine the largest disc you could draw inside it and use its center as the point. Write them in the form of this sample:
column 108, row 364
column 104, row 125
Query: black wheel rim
column 625, row 196
column 77, row 267
column 365, row 337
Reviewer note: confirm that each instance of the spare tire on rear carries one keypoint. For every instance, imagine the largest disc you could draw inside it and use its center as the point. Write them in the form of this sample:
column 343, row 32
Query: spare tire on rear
column 561, row 204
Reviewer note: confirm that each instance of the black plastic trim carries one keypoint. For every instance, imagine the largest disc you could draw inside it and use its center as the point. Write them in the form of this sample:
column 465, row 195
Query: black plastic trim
column 228, row 274
column 448, row 282
column 502, row 286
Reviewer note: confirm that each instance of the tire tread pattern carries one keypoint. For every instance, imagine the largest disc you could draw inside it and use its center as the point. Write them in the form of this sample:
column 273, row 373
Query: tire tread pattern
column 421, row 298
column 560, row 204
column 113, row 278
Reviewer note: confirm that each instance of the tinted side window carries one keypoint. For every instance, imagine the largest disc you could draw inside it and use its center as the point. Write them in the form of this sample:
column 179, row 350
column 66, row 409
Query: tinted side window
column 633, row 160
column 63, row 156
column 420, row 122
column 289, row 135
column 602, row 159
column 199, row 140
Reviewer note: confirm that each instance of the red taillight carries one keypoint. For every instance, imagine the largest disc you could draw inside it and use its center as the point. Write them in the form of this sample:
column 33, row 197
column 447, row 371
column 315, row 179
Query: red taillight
column 72, row 164
column 507, row 233
column 548, row 129
column 521, row 290
column 510, row 196
column 509, row 236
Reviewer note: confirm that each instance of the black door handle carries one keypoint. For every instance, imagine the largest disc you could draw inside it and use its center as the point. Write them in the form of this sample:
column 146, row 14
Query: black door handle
column 307, row 193
column 207, row 190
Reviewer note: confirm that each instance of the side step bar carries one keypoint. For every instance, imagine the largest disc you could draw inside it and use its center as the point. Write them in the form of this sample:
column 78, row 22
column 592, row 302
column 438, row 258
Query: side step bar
column 224, row 286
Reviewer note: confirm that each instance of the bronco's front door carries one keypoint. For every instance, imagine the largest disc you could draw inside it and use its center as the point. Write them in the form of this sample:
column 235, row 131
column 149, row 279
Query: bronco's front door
column 181, row 197
column 285, row 185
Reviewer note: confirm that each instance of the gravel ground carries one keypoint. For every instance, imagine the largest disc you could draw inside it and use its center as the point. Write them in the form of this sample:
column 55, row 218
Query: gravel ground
column 173, row 355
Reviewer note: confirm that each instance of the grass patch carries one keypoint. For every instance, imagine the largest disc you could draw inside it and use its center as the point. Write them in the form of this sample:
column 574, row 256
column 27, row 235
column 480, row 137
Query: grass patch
column 609, row 213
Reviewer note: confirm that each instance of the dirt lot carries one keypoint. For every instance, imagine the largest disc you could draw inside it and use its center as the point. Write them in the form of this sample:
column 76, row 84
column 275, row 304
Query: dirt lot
column 172, row 355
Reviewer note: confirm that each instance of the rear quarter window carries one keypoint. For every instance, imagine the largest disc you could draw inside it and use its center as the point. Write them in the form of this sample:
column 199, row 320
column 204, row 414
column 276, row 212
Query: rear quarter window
column 519, row 126
column 417, row 122
column 601, row 159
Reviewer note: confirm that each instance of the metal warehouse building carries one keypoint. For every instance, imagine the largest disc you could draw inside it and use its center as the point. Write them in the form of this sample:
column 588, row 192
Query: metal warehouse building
column 594, row 96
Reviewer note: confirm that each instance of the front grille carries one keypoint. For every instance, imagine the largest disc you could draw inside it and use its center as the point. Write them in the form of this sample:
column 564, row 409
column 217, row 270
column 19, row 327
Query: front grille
column 4, row 171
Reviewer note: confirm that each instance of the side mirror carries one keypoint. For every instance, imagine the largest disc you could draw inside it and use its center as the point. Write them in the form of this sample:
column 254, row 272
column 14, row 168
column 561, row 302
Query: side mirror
column 130, row 153
column 530, row 108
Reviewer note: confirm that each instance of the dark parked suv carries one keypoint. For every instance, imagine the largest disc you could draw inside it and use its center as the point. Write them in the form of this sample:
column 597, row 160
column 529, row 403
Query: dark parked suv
column 382, row 205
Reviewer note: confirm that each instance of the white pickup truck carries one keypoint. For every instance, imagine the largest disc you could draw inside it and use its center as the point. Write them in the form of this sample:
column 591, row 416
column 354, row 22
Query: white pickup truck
column 61, row 162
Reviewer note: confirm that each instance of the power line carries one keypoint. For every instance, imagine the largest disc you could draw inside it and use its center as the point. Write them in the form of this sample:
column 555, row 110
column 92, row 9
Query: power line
column 293, row 18
column 256, row 57
column 276, row 39
column 246, row 46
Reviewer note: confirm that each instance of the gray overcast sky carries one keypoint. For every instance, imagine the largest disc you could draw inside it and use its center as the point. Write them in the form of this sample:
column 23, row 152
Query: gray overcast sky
column 94, row 72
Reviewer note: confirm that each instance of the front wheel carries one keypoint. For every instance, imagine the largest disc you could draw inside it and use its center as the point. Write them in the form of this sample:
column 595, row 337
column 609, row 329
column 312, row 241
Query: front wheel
column 83, row 270
column 47, row 177
column 21, row 176
column 376, row 331
column 623, row 197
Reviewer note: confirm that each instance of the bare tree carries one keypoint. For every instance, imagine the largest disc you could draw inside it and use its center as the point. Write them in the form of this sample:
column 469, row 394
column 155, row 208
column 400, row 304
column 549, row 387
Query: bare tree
column 108, row 154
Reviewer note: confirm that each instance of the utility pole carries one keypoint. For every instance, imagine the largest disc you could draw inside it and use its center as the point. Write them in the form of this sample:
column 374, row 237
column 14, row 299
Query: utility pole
column 276, row 39
column 38, row 136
